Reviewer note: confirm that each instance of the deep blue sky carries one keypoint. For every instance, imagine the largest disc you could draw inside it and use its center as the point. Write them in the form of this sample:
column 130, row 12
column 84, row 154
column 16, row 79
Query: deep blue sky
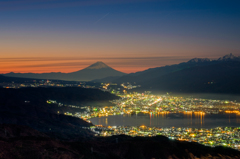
column 130, row 35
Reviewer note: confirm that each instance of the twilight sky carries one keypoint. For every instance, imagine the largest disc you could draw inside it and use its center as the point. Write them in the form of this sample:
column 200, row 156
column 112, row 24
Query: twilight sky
column 128, row 35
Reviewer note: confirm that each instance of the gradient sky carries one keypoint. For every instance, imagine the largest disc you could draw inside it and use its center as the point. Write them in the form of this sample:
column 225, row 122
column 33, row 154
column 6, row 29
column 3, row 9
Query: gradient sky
column 128, row 35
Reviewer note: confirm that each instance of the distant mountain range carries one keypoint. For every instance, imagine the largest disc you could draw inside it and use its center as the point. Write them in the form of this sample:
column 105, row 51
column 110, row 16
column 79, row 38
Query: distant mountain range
column 197, row 75
column 97, row 70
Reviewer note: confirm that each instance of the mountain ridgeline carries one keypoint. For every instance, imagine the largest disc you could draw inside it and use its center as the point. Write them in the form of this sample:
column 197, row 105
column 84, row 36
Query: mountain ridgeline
column 198, row 75
column 97, row 70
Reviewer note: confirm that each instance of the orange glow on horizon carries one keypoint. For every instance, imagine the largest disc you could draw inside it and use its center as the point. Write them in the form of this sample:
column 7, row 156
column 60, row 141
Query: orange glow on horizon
column 63, row 66
column 72, row 64
column 66, row 70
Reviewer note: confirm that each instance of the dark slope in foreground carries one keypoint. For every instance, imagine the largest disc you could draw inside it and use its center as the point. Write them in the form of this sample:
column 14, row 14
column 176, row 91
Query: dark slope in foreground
column 27, row 106
column 23, row 142
column 219, row 78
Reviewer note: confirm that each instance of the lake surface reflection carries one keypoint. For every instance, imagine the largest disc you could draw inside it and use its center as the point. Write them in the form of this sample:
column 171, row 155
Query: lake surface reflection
column 169, row 120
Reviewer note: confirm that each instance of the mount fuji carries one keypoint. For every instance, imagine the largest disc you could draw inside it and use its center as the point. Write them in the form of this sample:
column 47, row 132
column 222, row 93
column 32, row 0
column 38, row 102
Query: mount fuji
column 97, row 70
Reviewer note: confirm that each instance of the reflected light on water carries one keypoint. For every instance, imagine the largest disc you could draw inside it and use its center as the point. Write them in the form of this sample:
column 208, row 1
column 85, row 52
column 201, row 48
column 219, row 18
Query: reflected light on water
column 188, row 119
column 106, row 121
column 238, row 117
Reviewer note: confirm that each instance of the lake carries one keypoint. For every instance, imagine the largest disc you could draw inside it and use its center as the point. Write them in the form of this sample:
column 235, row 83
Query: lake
column 170, row 120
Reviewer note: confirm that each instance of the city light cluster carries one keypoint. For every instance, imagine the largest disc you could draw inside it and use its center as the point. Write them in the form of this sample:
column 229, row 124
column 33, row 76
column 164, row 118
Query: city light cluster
column 219, row 136
column 161, row 105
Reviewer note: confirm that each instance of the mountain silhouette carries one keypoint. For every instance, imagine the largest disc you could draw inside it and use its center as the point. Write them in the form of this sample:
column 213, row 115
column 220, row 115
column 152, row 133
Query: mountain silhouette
column 201, row 75
column 97, row 70
column 98, row 65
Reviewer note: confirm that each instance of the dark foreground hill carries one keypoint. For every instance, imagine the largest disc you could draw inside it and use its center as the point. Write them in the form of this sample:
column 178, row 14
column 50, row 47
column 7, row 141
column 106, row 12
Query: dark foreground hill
column 27, row 106
column 23, row 142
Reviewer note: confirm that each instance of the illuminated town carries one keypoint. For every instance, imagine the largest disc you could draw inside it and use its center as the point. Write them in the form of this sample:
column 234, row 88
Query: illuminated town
column 147, row 103
column 158, row 105
column 220, row 136
column 162, row 105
